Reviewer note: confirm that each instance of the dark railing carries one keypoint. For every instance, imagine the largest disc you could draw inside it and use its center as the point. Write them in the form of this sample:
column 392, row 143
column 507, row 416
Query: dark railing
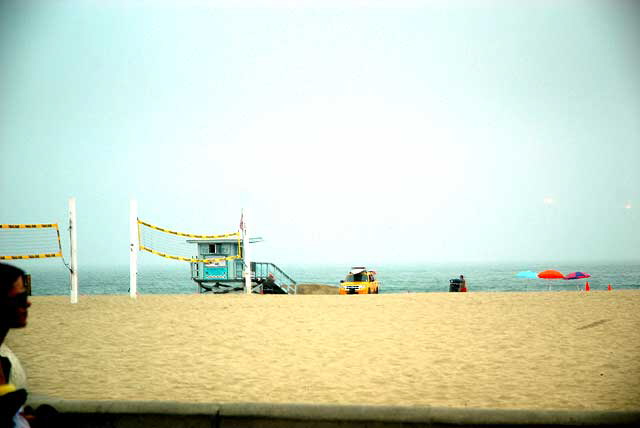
column 281, row 279
column 260, row 272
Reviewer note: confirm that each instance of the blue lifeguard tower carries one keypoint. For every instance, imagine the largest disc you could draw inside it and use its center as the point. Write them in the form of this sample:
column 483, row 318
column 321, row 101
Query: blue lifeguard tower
column 224, row 270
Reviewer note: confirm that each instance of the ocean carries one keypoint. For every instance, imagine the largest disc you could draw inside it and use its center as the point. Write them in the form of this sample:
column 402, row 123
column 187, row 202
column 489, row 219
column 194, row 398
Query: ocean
column 52, row 278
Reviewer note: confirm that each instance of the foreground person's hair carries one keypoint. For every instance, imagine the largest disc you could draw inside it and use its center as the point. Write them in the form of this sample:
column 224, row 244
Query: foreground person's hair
column 8, row 276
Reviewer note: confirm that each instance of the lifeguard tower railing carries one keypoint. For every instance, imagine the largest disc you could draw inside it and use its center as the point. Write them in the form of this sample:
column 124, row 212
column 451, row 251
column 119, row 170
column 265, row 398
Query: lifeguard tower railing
column 261, row 271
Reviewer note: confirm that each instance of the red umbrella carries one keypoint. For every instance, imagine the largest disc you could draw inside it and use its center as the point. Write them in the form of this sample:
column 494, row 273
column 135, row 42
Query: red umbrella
column 550, row 274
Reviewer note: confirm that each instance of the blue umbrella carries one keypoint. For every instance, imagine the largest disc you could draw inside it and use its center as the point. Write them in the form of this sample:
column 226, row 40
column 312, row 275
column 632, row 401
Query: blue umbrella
column 527, row 274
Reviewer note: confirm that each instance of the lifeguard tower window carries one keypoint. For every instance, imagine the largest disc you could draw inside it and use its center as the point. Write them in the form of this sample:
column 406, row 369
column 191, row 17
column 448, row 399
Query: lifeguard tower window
column 213, row 248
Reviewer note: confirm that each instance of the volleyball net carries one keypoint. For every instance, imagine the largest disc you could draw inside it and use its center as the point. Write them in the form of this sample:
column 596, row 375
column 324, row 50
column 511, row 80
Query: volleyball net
column 176, row 245
column 29, row 241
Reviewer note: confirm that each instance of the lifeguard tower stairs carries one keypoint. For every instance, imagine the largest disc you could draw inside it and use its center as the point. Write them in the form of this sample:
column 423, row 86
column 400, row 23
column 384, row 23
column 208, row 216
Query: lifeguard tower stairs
column 226, row 276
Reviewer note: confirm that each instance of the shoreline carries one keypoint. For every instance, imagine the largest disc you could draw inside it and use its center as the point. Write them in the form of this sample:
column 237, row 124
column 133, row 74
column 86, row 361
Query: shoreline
column 330, row 290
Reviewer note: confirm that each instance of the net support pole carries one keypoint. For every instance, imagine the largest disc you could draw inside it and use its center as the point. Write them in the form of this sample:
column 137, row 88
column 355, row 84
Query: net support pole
column 73, row 231
column 134, row 247
column 246, row 256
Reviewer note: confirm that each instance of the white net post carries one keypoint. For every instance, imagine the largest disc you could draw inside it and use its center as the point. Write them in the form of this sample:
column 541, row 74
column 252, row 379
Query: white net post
column 133, row 248
column 246, row 255
column 74, row 250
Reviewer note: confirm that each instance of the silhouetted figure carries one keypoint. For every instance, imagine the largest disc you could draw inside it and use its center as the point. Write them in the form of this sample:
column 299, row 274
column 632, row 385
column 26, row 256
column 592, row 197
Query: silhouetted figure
column 463, row 284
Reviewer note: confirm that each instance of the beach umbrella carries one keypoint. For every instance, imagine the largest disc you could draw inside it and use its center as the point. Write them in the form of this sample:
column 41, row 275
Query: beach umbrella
column 527, row 274
column 550, row 274
column 577, row 275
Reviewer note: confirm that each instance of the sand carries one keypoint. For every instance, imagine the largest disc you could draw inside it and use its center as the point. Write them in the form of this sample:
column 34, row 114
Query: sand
column 317, row 289
column 542, row 350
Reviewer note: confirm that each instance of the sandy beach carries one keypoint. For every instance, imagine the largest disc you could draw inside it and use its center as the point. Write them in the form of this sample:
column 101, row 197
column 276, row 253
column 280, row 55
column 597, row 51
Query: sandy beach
column 542, row 350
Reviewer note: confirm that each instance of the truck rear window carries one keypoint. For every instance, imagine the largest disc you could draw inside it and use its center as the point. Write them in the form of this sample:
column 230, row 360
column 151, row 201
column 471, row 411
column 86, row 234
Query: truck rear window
column 359, row 277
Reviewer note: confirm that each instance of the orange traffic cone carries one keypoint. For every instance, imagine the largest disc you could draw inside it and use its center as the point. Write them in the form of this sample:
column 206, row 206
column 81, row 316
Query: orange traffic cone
column 586, row 287
column 609, row 287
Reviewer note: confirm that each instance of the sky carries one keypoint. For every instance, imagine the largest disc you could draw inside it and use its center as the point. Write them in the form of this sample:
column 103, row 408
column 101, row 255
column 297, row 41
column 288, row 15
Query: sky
column 355, row 133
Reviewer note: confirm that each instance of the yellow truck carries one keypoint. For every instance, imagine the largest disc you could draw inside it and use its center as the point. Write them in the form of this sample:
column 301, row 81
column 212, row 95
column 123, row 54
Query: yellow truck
column 359, row 280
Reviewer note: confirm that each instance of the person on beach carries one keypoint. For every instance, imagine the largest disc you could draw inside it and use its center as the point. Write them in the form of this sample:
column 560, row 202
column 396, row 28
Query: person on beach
column 13, row 314
column 463, row 284
column 14, row 305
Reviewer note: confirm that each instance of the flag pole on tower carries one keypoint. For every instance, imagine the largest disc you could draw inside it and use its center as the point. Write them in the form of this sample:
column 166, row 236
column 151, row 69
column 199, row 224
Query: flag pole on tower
column 246, row 254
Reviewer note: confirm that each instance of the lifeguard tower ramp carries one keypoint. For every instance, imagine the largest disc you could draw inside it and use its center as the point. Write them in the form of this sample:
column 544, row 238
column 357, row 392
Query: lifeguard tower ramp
column 220, row 269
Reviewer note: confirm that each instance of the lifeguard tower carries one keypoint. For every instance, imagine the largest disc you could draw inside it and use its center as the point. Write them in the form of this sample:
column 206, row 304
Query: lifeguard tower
column 222, row 264
column 226, row 276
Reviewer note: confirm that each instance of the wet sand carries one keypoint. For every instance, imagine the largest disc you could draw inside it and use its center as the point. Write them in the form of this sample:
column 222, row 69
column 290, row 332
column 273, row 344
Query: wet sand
column 537, row 350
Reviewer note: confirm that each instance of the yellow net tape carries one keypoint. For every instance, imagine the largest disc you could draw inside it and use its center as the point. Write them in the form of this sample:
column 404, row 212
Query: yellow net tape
column 178, row 249
column 29, row 241
column 189, row 235
column 187, row 259
column 28, row 226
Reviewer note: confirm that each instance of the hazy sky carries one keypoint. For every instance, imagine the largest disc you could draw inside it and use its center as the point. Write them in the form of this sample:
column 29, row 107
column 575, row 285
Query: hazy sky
column 425, row 132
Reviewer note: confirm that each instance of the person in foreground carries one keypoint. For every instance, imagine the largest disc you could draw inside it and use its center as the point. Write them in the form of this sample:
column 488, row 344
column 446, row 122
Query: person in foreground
column 14, row 305
column 13, row 314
